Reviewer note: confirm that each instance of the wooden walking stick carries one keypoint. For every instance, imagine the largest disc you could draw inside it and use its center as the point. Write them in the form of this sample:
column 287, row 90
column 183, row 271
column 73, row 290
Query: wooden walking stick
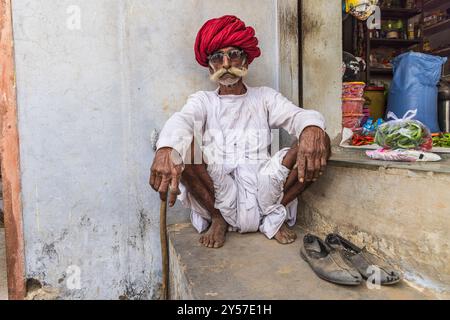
column 163, row 234
column 164, row 249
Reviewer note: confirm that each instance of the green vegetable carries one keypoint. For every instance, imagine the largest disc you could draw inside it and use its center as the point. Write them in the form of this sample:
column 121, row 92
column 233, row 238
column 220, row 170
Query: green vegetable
column 443, row 140
column 401, row 134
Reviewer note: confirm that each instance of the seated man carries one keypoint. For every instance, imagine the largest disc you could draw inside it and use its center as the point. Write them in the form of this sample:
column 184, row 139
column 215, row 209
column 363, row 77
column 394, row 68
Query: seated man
column 214, row 153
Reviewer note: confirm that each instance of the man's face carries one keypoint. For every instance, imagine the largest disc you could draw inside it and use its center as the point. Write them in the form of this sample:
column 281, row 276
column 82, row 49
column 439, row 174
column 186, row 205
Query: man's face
column 228, row 65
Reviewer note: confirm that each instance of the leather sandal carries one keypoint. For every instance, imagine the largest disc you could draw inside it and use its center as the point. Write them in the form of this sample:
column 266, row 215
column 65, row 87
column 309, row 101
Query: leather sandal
column 364, row 261
column 328, row 263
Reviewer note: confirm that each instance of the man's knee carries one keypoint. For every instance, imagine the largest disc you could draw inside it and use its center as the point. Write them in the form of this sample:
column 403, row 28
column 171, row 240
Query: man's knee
column 192, row 172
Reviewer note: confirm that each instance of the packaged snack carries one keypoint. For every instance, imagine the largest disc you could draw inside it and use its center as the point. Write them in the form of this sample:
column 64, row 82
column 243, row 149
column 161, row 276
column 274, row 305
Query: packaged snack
column 353, row 89
column 402, row 155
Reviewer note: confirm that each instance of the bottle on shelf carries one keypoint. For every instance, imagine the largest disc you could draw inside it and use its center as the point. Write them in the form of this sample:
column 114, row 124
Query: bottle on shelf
column 391, row 30
column 418, row 30
column 400, row 29
column 411, row 33
column 410, row 4
column 426, row 45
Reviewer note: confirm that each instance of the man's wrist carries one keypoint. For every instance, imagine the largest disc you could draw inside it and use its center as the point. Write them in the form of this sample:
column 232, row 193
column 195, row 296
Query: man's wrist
column 164, row 148
column 309, row 128
column 175, row 156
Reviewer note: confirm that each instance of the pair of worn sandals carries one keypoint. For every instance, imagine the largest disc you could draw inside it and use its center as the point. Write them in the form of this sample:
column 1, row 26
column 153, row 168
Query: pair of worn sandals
column 339, row 261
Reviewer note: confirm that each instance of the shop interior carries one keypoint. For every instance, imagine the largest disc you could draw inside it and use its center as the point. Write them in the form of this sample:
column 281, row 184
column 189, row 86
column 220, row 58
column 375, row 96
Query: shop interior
column 421, row 26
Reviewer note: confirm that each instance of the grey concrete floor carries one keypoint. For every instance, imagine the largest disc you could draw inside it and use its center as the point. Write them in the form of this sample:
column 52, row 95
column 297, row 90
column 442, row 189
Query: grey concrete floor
column 250, row 266
column 3, row 283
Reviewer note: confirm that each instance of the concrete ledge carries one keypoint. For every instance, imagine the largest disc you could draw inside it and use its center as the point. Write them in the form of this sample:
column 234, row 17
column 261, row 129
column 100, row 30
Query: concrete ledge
column 357, row 158
column 250, row 266
column 402, row 213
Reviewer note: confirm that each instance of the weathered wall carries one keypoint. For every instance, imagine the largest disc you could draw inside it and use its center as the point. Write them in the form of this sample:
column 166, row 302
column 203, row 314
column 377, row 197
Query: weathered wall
column 403, row 214
column 88, row 100
column 322, row 59
column 288, row 49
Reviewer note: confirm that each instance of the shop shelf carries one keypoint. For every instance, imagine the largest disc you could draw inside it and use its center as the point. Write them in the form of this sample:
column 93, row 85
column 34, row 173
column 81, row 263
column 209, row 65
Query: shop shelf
column 399, row 13
column 387, row 71
column 438, row 27
column 445, row 52
column 393, row 42
column 433, row 4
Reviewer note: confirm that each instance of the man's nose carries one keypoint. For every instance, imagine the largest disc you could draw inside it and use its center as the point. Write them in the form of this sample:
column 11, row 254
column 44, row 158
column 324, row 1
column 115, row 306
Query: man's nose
column 226, row 62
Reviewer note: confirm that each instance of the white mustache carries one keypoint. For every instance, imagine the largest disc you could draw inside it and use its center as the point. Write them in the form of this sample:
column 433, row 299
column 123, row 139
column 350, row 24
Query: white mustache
column 237, row 72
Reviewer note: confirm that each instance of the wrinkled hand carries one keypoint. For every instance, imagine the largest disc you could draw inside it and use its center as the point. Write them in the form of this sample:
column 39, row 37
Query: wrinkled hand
column 314, row 150
column 165, row 174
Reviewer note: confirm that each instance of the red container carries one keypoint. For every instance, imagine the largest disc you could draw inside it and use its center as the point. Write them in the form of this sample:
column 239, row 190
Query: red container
column 353, row 89
column 352, row 105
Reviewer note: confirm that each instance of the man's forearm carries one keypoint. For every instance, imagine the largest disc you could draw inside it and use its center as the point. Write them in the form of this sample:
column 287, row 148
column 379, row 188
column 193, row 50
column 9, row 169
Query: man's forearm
column 176, row 134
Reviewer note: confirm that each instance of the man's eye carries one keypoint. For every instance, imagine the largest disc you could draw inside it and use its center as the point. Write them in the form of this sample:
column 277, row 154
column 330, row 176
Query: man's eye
column 235, row 54
column 217, row 57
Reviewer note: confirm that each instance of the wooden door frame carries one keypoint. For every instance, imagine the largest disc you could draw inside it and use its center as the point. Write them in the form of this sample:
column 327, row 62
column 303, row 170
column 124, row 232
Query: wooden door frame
column 10, row 159
column 300, row 52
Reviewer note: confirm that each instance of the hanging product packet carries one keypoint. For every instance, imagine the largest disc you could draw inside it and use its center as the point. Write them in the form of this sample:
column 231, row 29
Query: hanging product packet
column 405, row 133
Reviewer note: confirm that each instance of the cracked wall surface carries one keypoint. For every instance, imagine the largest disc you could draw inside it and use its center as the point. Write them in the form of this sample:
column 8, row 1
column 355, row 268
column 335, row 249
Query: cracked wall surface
column 322, row 58
column 90, row 93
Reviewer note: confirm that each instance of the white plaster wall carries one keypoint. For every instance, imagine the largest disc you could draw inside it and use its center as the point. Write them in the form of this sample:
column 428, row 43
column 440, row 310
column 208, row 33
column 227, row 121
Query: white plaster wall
column 322, row 59
column 88, row 100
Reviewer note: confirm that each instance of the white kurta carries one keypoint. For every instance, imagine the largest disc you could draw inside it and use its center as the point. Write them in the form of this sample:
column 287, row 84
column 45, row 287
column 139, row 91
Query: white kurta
column 234, row 134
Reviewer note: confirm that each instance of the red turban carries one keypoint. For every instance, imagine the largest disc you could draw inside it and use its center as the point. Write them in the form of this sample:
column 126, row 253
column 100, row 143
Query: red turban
column 226, row 31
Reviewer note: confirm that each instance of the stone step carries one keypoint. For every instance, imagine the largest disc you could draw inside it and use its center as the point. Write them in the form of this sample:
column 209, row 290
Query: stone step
column 250, row 266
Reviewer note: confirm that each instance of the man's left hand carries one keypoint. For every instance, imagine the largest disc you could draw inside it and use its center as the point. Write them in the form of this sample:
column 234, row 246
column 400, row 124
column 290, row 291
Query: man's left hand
column 314, row 150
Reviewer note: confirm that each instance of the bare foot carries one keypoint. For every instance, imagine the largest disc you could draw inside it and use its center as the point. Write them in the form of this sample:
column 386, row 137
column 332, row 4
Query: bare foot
column 285, row 235
column 215, row 236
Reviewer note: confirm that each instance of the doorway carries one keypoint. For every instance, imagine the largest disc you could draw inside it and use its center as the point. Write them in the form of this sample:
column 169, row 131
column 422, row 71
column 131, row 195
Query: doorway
column 11, row 236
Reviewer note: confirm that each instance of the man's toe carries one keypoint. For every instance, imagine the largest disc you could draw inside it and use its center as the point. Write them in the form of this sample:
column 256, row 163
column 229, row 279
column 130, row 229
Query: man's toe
column 205, row 241
column 220, row 243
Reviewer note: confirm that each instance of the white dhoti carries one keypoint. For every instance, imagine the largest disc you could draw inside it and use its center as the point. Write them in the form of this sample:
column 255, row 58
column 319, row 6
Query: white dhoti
column 238, row 128
column 248, row 197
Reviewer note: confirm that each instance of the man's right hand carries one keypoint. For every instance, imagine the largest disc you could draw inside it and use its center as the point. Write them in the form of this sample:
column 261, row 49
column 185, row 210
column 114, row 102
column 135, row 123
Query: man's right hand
column 165, row 173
